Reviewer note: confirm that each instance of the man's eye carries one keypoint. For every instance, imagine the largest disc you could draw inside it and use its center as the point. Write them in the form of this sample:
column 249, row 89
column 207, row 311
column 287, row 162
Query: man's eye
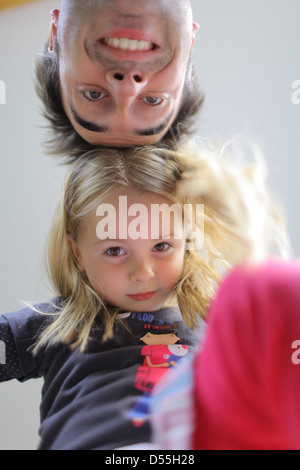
column 93, row 95
column 115, row 251
column 163, row 246
column 152, row 101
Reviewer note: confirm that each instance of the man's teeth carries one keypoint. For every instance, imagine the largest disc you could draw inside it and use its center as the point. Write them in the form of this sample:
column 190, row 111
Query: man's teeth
column 129, row 44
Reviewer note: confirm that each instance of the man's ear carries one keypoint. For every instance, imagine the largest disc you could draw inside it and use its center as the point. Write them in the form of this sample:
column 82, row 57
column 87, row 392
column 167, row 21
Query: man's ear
column 53, row 29
column 76, row 253
column 196, row 28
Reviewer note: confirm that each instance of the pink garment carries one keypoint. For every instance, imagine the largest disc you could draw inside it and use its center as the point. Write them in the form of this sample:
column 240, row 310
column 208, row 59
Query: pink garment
column 247, row 376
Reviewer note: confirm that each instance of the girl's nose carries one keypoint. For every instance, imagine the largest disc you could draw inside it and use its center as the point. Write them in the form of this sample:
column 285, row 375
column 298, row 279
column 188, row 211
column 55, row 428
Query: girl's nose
column 141, row 273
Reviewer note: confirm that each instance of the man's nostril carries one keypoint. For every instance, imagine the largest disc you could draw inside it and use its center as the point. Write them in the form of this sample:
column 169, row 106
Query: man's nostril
column 118, row 76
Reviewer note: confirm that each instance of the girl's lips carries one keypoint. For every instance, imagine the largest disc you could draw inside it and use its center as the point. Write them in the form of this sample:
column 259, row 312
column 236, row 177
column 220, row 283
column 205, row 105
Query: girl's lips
column 142, row 296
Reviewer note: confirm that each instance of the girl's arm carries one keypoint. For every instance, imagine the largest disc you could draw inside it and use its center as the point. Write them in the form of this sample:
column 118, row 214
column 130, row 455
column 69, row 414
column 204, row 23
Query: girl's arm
column 19, row 332
column 10, row 367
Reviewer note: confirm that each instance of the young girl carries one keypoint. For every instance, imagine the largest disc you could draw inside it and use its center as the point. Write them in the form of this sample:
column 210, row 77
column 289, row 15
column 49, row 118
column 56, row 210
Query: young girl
column 132, row 290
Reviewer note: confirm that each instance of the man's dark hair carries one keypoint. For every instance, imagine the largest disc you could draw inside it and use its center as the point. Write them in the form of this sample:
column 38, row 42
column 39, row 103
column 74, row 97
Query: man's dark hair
column 65, row 141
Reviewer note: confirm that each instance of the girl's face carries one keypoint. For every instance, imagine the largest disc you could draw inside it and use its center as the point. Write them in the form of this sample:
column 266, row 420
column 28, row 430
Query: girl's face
column 132, row 258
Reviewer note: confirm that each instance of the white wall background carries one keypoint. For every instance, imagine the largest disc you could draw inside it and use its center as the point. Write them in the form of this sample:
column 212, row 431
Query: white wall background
column 247, row 57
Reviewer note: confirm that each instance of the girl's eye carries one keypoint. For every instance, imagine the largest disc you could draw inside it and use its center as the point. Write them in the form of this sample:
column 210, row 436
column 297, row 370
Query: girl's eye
column 93, row 95
column 163, row 246
column 115, row 251
column 152, row 101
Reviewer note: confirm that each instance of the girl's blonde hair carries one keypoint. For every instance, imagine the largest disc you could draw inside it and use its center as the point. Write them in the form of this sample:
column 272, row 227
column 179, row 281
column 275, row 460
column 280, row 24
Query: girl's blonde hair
column 240, row 223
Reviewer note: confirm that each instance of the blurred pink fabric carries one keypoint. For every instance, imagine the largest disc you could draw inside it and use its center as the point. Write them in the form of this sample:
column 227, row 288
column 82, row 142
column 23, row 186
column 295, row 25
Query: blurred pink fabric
column 247, row 375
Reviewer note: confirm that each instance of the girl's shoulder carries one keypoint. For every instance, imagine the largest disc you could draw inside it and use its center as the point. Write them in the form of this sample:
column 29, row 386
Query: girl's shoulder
column 26, row 322
column 24, row 327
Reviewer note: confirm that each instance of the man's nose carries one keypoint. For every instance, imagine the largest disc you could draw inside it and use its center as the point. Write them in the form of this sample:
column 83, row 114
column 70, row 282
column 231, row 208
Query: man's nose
column 126, row 85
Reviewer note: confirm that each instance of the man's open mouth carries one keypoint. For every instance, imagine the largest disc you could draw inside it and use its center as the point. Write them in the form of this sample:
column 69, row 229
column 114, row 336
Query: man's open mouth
column 127, row 44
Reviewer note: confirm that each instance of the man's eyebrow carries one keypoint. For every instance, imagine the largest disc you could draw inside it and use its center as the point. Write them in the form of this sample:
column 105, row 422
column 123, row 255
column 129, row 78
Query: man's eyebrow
column 89, row 125
column 157, row 129
column 93, row 127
